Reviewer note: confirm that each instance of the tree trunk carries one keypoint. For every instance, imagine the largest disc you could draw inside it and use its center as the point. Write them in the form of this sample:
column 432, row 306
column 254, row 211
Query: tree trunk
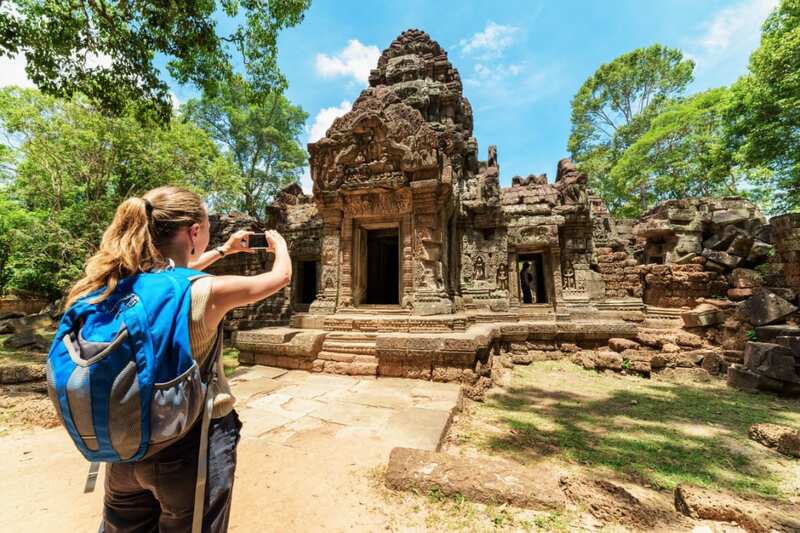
column 643, row 197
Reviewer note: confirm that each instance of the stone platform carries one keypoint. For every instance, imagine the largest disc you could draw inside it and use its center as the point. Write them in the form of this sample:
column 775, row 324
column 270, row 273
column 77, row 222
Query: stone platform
column 278, row 404
column 449, row 348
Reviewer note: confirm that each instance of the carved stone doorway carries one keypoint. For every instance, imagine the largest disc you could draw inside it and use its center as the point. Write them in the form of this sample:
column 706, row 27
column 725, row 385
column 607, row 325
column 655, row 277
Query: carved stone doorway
column 383, row 267
column 532, row 279
column 376, row 264
column 306, row 285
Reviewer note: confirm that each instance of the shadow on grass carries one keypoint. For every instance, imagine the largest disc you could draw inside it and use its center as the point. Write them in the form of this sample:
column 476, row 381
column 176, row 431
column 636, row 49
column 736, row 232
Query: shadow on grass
column 655, row 433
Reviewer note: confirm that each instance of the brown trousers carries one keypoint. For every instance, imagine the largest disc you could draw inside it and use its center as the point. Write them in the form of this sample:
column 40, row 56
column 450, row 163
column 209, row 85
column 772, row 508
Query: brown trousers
column 157, row 494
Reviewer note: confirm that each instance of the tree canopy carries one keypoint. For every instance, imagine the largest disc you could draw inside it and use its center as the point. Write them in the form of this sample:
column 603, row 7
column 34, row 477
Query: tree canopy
column 260, row 138
column 683, row 153
column 615, row 106
column 72, row 166
column 766, row 116
column 111, row 50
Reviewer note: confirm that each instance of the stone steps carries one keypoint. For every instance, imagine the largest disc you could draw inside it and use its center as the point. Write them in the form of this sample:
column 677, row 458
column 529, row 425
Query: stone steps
column 536, row 311
column 350, row 353
column 379, row 310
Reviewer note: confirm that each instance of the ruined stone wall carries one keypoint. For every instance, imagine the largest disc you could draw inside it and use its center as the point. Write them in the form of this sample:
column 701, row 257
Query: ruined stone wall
column 786, row 259
column 27, row 306
column 269, row 312
column 294, row 214
column 620, row 272
column 711, row 246
column 680, row 285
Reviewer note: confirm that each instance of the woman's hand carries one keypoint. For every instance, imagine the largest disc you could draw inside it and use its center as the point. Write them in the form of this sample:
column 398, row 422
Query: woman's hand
column 275, row 242
column 238, row 243
column 235, row 291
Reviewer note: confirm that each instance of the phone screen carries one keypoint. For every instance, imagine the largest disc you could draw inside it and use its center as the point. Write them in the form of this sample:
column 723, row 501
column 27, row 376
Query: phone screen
column 257, row 240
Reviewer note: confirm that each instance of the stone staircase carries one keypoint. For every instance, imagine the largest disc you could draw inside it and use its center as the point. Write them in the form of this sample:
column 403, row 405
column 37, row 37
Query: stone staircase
column 350, row 353
column 378, row 310
column 536, row 312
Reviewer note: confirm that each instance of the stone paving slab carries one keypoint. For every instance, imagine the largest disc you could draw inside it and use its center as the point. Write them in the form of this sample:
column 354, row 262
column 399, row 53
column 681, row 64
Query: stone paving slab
column 418, row 428
column 279, row 406
column 250, row 373
column 353, row 414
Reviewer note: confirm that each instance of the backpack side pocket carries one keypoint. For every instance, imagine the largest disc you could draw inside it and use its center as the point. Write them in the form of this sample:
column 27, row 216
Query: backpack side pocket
column 174, row 407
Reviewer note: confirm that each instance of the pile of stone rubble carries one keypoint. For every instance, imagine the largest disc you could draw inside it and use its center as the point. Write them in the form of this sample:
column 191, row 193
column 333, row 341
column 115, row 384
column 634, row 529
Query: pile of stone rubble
column 759, row 337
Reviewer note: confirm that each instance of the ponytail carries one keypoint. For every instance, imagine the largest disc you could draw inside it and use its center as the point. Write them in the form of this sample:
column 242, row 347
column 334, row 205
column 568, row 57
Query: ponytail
column 131, row 243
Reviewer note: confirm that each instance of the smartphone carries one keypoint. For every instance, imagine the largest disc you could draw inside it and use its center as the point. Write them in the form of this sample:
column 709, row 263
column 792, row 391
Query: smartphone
column 257, row 241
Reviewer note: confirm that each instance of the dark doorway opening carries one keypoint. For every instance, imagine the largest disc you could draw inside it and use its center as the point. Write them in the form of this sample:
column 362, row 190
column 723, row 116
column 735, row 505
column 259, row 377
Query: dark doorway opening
column 307, row 282
column 383, row 267
column 531, row 279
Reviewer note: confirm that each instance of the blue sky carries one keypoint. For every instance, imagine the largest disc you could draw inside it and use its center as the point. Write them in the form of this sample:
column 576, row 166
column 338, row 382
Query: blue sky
column 521, row 61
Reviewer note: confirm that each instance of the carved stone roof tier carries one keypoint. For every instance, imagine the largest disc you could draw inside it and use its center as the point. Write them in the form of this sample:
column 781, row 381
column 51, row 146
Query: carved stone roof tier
column 411, row 124
column 418, row 70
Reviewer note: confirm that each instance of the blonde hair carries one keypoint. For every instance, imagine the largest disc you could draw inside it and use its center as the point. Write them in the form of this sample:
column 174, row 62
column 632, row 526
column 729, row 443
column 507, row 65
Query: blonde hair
column 132, row 242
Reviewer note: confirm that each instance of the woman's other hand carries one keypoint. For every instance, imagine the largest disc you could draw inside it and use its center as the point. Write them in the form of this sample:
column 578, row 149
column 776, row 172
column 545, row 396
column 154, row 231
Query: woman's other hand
column 275, row 242
column 238, row 242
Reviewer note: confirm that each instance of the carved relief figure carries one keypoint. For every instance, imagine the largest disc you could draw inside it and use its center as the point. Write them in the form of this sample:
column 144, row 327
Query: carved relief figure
column 502, row 277
column 480, row 269
column 568, row 280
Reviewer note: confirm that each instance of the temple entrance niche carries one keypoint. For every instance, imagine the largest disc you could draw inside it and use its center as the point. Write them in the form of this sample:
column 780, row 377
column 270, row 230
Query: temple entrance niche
column 383, row 267
column 532, row 279
column 376, row 261
column 306, row 284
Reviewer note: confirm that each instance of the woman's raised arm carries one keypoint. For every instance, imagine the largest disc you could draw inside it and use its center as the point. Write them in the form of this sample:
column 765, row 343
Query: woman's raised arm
column 229, row 292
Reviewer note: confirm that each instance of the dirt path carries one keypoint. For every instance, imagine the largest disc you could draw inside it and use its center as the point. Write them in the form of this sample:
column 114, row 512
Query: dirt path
column 310, row 451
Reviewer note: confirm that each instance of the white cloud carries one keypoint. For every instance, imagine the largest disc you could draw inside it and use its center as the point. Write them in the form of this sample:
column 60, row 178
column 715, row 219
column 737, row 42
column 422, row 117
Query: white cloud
column 176, row 102
column 355, row 60
column 325, row 118
column 732, row 31
column 490, row 42
column 511, row 86
column 13, row 69
column 494, row 74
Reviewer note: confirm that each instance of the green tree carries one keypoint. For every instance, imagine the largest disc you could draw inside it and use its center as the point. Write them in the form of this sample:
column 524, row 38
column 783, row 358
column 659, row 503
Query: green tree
column 262, row 139
column 13, row 218
column 111, row 50
column 683, row 153
column 615, row 106
column 766, row 117
column 71, row 167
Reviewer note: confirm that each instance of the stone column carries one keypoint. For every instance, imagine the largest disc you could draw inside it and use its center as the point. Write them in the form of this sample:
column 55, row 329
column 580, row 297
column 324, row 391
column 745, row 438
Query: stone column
column 346, row 263
column 329, row 261
column 406, row 236
column 513, row 281
column 430, row 296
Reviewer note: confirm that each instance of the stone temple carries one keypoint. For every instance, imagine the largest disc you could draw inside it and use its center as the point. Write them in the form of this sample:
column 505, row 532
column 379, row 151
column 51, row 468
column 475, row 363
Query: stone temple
column 411, row 260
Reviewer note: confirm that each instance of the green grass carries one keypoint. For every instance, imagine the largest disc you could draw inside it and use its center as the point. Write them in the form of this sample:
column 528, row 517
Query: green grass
column 651, row 432
column 455, row 513
column 230, row 360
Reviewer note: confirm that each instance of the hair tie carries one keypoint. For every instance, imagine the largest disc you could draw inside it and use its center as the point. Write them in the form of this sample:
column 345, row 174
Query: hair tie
column 148, row 206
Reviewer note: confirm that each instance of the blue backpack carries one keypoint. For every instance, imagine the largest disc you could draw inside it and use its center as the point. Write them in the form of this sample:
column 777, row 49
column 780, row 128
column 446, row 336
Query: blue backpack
column 121, row 373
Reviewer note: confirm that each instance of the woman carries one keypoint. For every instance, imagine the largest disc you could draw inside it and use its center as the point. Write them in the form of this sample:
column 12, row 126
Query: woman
column 169, row 227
